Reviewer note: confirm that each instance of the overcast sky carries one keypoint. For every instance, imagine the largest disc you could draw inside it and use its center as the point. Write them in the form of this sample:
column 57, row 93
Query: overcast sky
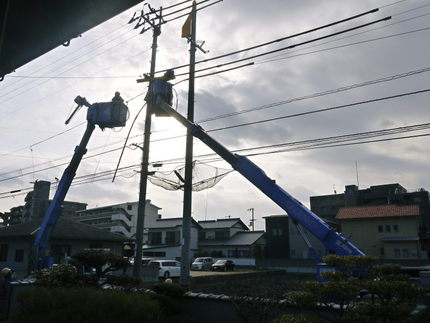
column 33, row 110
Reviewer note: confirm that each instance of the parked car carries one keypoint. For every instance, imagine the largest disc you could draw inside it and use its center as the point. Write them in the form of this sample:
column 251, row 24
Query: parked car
column 146, row 261
column 202, row 263
column 167, row 268
column 223, row 265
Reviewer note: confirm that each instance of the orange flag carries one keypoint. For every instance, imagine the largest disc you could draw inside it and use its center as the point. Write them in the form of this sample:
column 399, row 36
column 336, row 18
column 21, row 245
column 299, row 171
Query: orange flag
column 186, row 28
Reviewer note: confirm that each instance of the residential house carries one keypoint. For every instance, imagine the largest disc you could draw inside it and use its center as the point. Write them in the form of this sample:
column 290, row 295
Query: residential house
column 163, row 238
column 220, row 229
column 119, row 218
column 68, row 238
column 384, row 231
column 230, row 238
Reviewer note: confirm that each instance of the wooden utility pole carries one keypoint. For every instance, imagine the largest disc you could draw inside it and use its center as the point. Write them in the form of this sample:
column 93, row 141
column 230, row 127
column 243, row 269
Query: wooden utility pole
column 187, row 206
column 137, row 269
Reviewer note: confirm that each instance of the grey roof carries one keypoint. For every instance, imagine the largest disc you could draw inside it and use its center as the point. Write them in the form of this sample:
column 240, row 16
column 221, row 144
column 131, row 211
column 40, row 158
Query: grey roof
column 65, row 229
column 245, row 238
column 171, row 223
column 113, row 206
column 276, row 216
column 222, row 223
column 394, row 239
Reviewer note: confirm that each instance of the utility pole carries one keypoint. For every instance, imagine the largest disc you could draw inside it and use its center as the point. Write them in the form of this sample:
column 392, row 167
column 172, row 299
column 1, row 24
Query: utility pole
column 137, row 269
column 187, row 206
column 251, row 223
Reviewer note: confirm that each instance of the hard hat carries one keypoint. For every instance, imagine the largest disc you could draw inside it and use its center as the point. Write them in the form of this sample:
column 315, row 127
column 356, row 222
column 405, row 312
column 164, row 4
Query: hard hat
column 6, row 271
column 169, row 75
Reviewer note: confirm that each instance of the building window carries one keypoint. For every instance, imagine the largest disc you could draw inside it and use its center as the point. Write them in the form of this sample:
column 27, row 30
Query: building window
column 277, row 232
column 3, row 252
column 380, row 228
column 397, row 253
column 382, row 251
column 202, row 235
column 154, row 254
column 405, row 253
column 388, row 228
column 222, row 235
column 172, row 237
column 154, row 237
column 395, row 228
column 129, row 207
column 19, row 255
column 96, row 245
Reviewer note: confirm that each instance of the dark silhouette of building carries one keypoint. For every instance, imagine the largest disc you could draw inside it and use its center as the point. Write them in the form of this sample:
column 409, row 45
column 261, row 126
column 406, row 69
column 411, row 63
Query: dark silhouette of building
column 277, row 236
column 36, row 204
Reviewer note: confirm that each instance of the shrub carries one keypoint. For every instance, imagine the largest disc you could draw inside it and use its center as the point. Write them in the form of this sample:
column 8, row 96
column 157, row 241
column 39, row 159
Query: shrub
column 124, row 282
column 169, row 289
column 61, row 275
column 99, row 259
column 61, row 305
column 382, row 295
column 290, row 318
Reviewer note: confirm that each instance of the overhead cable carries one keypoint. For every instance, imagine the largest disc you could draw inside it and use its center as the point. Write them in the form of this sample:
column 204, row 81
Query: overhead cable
column 288, row 37
column 322, row 110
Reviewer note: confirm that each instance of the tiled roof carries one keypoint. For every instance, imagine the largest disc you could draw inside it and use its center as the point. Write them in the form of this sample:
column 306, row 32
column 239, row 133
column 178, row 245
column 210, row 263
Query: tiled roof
column 65, row 229
column 222, row 223
column 378, row 211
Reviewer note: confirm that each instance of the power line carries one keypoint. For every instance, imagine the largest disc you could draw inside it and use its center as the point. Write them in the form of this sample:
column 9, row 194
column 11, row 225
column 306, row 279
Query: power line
column 67, row 55
column 347, row 45
column 107, row 34
column 319, row 143
column 216, row 72
column 354, row 104
column 391, row 4
column 353, row 35
column 44, row 140
column 273, row 59
column 252, row 123
column 318, row 94
column 186, row 14
column 287, row 37
column 384, row 79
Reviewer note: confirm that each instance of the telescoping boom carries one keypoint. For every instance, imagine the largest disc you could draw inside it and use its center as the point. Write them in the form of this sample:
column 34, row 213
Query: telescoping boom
column 333, row 241
column 105, row 115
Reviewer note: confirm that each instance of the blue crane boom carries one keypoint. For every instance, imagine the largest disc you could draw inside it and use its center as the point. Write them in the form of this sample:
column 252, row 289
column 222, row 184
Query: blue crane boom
column 105, row 115
column 332, row 240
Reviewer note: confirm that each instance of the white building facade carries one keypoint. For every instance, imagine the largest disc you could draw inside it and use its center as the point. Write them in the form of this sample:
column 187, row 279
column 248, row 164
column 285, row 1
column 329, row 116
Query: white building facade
column 119, row 218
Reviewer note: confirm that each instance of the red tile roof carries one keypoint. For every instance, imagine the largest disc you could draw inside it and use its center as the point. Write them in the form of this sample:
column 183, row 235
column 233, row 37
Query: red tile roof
column 377, row 211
